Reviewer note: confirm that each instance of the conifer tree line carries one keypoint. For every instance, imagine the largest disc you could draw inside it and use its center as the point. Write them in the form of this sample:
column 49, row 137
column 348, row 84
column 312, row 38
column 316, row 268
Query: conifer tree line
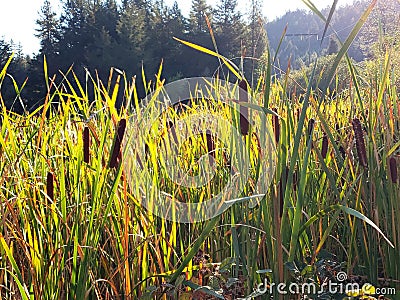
column 97, row 35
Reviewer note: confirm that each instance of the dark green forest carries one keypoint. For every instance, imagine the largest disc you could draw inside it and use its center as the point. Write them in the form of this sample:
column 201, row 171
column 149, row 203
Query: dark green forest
column 133, row 35
column 136, row 36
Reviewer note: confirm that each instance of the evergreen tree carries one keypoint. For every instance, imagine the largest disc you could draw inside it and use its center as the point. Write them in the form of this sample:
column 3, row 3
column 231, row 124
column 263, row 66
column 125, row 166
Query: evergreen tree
column 166, row 23
column 103, row 52
column 198, row 11
column 177, row 23
column 48, row 31
column 75, row 34
column 17, row 71
column 131, row 35
column 5, row 52
column 199, row 64
column 256, row 39
column 229, row 27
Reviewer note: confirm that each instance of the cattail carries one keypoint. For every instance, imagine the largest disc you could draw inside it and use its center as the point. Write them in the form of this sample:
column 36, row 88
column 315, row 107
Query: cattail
column 342, row 151
column 298, row 113
column 393, row 169
column 169, row 124
column 210, row 143
column 310, row 129
column 50, row 185
column 86, row 144
column 171, row 129
column 276, row 125
column 117, row 144
column 337, row 127
column 360, row 145
column 244, row 112
column 324, row 149
column 146, row 151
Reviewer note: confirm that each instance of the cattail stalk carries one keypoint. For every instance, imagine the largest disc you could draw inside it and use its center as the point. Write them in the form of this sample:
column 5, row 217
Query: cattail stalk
column 50, row 185
column 393, row 169
column 116, row 153
column 298, row 113
column 244, row 111
column 276, row 126
column 324, row 149
column 86, row 144
column 210, row 143
column 310, row 129
column 360, row 144
column 147, row 151
column 171, row 131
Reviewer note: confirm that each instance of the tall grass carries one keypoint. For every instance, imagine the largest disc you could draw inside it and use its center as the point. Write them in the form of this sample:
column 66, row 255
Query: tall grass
column 74, row 225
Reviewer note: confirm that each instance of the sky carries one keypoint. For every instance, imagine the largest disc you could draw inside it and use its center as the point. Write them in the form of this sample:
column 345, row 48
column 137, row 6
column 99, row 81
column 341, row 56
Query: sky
column 17, row 17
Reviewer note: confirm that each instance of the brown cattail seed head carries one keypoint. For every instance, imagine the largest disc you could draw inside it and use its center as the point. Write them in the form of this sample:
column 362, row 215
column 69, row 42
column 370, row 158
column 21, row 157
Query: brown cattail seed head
column 393, row 169
column 276, row 126
column 342, row 151
column 311, row 124
column 117, row 143
column 86, row 144
column 360, row 144
column 171, row 131
column 244, row 111
column 210, row 143
column 50, row 185
column 324, row 149
column 147, row 151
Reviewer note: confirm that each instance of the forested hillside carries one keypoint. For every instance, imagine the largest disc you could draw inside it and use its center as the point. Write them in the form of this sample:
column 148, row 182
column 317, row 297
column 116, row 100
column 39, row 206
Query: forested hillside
column 136, row 35
column 303, row 31
column 131, row 35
